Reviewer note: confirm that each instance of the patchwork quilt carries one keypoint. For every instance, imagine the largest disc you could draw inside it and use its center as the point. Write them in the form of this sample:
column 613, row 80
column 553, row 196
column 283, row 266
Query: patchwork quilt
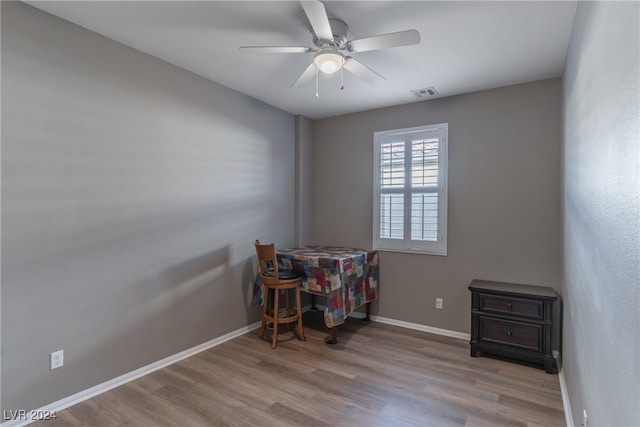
column 347, row 277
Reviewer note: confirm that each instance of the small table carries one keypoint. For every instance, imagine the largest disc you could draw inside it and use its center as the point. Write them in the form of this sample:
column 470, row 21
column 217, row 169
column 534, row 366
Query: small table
column 347, row 277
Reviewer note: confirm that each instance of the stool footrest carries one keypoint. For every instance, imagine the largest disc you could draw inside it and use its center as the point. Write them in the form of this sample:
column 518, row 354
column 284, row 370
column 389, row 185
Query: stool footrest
column 279, row 315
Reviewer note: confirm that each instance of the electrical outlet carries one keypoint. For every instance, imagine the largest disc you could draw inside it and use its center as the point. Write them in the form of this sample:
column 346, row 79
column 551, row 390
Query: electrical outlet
column 57, row 359
column 584, row 418
column 439, row 303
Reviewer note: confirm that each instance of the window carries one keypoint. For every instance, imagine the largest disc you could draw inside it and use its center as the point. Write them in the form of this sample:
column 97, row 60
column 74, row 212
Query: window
column 410, row 190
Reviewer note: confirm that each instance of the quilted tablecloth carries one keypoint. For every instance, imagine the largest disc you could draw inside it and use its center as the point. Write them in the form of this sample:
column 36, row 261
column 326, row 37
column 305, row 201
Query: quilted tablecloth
column 347, row 277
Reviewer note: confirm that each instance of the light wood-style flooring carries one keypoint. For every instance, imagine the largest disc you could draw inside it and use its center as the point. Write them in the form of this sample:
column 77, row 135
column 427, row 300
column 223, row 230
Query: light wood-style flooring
column 377, row 375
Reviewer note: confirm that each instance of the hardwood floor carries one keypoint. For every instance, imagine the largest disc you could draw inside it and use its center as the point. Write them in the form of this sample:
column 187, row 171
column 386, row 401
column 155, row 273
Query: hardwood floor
column 377, row 375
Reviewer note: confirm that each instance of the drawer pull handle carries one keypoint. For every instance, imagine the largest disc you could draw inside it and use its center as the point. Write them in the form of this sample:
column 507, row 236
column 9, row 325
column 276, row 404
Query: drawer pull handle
column 509, row 333
column 509, row 306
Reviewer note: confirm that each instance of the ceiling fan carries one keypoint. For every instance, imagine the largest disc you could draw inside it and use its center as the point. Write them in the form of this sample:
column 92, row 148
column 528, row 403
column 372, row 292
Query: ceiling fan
column 332, row 47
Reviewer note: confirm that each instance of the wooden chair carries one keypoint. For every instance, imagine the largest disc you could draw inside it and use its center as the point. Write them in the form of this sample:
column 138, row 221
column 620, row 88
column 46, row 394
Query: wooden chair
column 275, row 281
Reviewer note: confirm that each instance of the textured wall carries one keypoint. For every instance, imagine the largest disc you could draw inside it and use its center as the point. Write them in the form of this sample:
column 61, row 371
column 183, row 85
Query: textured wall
column 304, row 167
column 504, row 197
column 602, row 214
column 132, row 192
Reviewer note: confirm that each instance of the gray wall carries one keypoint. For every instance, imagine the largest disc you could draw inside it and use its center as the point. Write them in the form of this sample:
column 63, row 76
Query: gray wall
column 602, row 214
column 132, row 192
column 304, row 168
column 504, row 197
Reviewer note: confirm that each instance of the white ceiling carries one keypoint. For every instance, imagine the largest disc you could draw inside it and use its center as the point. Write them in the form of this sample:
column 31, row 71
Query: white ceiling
column 465, row 47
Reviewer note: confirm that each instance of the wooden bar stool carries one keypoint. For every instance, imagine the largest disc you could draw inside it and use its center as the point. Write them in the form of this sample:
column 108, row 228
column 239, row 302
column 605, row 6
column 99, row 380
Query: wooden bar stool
column 274, row 281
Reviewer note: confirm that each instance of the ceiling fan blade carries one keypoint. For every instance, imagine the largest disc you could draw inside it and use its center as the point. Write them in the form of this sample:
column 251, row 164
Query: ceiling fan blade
column 318, row 19
column 363, row 72
column 384, row 41
column 276, row 49
column 306, row 74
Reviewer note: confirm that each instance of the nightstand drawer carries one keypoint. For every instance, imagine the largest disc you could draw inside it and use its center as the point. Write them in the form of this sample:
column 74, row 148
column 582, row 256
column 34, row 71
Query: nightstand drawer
column 530, row 309
column 515, row 334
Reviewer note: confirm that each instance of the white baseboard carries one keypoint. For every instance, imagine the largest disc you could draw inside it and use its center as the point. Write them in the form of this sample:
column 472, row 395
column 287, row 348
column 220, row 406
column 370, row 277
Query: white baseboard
column 408, row 325
column 401, row 323
column 419, row 327
column 566, row 403
column 81, row 396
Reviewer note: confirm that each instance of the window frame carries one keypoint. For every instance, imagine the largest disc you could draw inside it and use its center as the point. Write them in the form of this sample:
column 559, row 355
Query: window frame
column 406, row 244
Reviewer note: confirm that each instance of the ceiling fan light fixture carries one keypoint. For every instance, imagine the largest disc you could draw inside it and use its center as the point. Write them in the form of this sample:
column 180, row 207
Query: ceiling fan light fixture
column 328, row 61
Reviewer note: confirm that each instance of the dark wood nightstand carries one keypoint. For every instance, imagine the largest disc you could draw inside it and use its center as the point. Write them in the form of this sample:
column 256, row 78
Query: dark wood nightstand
column 514, row 321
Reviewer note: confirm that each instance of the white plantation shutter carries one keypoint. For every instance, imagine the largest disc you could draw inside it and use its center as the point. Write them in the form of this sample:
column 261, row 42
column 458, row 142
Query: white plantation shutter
column 410, row 189
column 392, row 178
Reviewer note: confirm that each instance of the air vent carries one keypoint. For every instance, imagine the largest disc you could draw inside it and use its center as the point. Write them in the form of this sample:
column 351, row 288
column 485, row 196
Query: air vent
column 425, row 93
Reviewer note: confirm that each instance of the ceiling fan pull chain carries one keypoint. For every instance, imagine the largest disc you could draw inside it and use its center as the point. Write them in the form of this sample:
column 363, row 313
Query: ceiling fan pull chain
column 317, row 74
column 342, row 78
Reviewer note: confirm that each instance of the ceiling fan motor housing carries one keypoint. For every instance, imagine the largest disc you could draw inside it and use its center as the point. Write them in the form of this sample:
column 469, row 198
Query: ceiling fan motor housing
column 339, row 30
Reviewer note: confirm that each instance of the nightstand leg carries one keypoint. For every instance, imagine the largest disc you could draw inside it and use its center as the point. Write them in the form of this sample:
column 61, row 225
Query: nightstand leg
column 549, row 365
column 474, row 349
